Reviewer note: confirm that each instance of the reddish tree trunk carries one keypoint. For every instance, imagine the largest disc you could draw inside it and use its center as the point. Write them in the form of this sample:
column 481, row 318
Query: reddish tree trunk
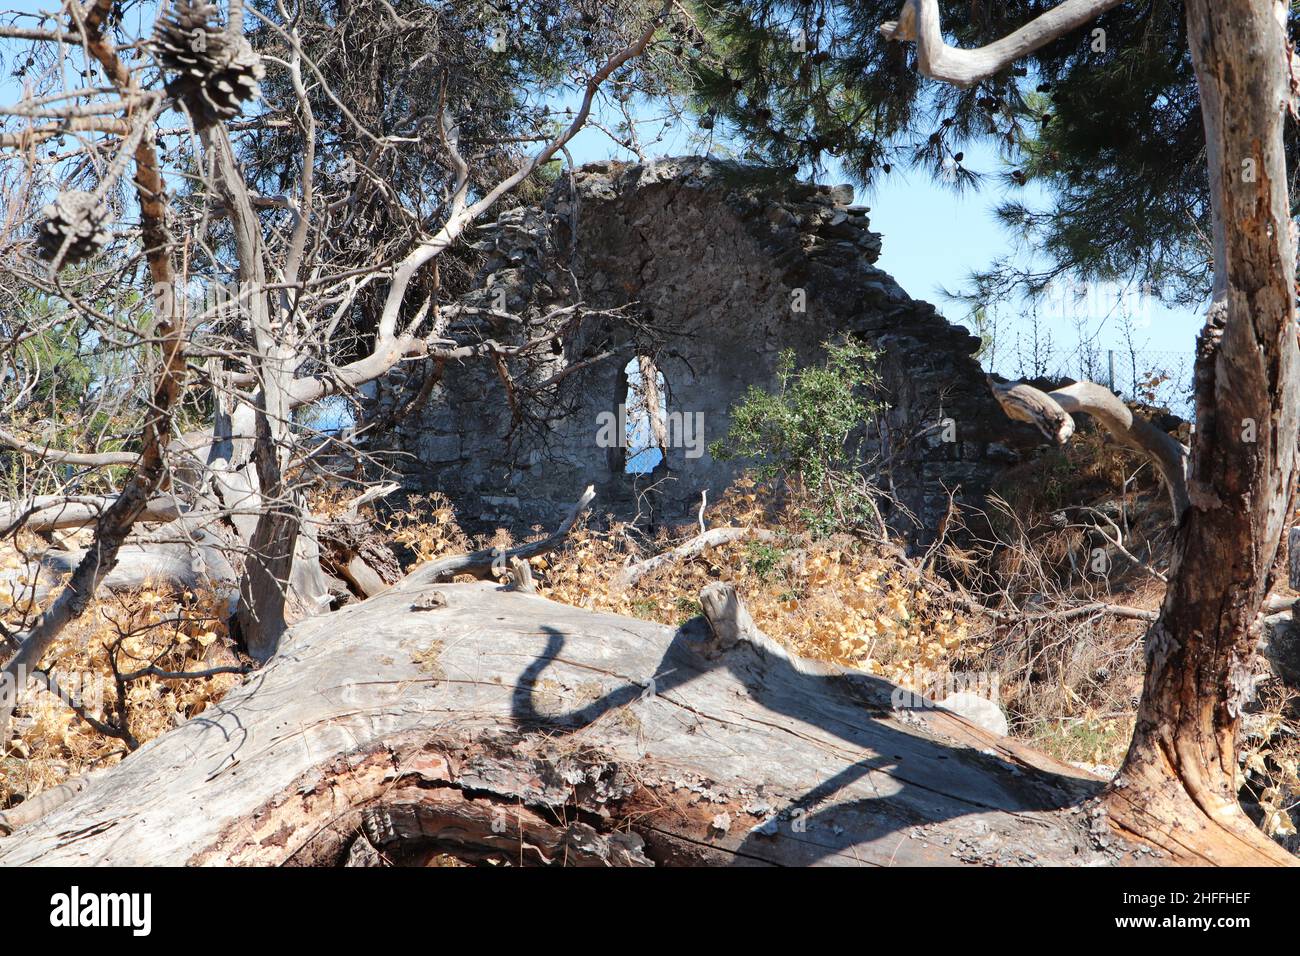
column 1178, row 787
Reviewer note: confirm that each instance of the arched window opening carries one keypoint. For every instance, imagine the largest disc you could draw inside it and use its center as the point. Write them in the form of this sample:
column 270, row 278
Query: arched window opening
column 646, row 412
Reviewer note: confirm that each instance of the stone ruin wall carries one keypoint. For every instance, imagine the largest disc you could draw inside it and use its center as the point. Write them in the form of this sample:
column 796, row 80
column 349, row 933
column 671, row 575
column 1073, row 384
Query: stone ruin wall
column 710, row 254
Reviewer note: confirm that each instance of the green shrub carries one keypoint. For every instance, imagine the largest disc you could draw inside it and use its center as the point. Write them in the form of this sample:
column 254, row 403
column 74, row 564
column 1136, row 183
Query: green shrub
column 800, row 435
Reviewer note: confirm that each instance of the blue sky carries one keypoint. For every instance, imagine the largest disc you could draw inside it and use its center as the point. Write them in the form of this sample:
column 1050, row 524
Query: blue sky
column 933, row 239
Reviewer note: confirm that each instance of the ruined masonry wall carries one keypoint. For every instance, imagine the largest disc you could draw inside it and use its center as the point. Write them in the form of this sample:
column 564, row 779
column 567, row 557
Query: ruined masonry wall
column 711, row 254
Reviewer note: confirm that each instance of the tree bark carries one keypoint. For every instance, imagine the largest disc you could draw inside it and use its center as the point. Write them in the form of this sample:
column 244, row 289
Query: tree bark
column 476, row 720
column 355, row 551
column 1178, row 786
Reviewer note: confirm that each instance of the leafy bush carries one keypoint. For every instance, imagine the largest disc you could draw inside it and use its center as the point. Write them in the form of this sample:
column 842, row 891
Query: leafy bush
column 801, row 435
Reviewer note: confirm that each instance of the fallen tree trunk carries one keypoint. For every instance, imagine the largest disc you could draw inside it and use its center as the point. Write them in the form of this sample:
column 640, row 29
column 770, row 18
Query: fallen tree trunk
column 58, row 512
column 191, row 559
column 491, row 724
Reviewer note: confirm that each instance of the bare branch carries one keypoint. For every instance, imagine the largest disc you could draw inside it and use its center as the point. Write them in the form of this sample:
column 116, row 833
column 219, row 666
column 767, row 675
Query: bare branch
column 58, row 456
column 113, row 526
column 1050, row 412
column 488, row 561
column 919, row 21
column 389, row 348
column 695, row 546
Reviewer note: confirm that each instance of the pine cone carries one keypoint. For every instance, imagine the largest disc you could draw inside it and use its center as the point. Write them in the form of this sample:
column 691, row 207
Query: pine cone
column 77, row 217
column 218, row 71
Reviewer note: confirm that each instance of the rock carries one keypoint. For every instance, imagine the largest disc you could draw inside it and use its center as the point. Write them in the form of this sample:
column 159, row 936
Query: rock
column 978, row 710
column 781, row 216
column 1293, row 558
column 440, row 448
column 1280, row 646
column 1103, row 770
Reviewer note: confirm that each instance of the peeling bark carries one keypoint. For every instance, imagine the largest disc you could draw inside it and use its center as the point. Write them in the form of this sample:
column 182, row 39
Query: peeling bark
column 1178, row 785
column 352, row 549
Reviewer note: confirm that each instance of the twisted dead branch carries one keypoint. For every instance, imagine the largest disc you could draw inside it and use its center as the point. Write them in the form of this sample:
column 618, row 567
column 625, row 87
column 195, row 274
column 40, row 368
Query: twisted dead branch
column 1051, row 411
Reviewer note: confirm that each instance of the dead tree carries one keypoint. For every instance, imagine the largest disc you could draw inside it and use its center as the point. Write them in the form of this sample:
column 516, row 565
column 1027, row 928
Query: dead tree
column 1051, row 413
column 490, row 724
column 262, row 352
column 1177, row 788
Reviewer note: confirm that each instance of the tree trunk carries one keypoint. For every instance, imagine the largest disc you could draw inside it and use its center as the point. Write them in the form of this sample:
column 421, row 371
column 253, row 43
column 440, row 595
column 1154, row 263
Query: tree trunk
column 491, row 724
column 1178, row 786
column 196, row 564
column 282, row 580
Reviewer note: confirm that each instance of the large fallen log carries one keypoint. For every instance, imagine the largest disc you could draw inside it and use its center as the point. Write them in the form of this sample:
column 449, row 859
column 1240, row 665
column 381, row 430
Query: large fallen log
column 490, row 724
column 199, row 565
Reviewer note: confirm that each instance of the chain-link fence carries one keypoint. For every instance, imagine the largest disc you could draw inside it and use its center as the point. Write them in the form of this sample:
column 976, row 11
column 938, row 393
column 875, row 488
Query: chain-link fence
column 1153, row 377
column 1160, row 378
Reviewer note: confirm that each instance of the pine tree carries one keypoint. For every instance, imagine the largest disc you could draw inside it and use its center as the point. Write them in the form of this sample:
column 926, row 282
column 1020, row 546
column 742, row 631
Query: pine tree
column 1106, row 118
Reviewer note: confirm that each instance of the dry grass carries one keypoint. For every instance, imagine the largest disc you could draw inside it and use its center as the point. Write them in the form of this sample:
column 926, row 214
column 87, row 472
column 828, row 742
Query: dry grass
column 1044, row 544
column 839, row 599
column 1270, row 757
column 95, row 659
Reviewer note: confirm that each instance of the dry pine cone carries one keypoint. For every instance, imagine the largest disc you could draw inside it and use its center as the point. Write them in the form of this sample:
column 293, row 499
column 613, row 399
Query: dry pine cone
column 78, row 218
column 217, row 70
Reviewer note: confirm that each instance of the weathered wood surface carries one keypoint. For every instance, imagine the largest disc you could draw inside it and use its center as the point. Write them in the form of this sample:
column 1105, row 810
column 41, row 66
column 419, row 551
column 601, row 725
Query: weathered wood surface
column 489, row 723
column 201, row 565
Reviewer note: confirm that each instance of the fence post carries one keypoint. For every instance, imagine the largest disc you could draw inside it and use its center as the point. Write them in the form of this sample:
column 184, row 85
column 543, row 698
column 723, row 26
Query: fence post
column 1293, row 557
column 1110, row 369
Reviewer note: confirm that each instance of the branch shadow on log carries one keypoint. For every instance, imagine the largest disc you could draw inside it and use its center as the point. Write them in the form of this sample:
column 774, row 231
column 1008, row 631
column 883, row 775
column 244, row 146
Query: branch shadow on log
column 402, row 718
column 815, row 827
